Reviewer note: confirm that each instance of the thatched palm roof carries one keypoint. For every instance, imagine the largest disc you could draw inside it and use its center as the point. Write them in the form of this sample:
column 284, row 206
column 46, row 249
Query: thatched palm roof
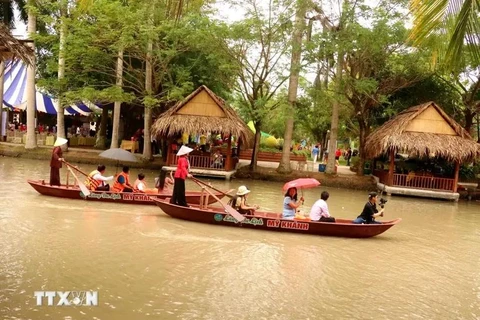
column 221, row 119
column 11, row 48
column 454, row 144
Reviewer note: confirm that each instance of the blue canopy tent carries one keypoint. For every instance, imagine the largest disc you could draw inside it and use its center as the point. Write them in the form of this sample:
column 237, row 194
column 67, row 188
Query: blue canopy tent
column 15, row 93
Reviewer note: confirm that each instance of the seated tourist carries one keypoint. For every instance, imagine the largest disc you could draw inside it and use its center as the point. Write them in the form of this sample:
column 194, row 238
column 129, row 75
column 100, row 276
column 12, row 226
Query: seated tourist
column 290, row 204
column 217, row 160
column 239, row 202
column 319, row 211
column 122, row 183
column 370, row 211
column 96, row 181
column 163, row 182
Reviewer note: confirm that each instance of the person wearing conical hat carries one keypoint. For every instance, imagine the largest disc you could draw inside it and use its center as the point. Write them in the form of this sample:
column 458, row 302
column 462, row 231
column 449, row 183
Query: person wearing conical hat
column 239, row 202
column 182, row 172
column 56, row 162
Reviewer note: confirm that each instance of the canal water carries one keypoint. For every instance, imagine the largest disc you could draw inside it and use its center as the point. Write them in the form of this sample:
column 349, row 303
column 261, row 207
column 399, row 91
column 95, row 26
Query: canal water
column 146, row 265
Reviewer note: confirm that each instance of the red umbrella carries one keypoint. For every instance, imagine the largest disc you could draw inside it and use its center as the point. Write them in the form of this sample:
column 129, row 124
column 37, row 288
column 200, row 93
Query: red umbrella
column 302, row 183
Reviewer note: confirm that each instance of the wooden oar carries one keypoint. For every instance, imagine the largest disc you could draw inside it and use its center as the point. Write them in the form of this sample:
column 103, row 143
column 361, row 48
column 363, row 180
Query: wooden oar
column 231, row 211
column 77, row 169
column 198, row 181
column 83, row 187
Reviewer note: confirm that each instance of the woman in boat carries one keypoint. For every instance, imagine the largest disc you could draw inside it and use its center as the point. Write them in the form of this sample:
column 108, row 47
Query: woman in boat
column 56, row 162
column 163, row 182
column 122, row 182
column 290, row 203
column 370, row 211
column 182, row 172
column 239, row 202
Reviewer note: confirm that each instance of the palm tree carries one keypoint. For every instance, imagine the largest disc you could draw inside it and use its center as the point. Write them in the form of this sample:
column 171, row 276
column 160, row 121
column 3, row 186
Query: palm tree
column 458, row 19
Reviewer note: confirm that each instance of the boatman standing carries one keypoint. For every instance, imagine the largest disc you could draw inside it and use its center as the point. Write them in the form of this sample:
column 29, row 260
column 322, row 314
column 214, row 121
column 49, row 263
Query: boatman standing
column 56, row 162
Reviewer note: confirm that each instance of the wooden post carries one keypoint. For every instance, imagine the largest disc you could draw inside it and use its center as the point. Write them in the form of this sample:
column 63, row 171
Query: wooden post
column 68, row 174
column 391, row 167
column 169, row 152
column 455, row 179
column 228, row 163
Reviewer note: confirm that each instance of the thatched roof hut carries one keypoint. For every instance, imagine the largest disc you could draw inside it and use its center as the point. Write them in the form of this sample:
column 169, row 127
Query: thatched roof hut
column 11, row 48
column 202, row 112
column 421, row 131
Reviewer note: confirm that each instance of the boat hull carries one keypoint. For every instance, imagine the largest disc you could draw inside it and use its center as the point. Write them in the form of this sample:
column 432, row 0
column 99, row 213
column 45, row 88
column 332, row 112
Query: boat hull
column 193, row 197
column 273, row 222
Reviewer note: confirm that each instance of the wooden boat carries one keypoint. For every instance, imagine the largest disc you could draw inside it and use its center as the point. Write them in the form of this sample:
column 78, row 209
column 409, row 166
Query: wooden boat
column 272, row 221
column 71, row 192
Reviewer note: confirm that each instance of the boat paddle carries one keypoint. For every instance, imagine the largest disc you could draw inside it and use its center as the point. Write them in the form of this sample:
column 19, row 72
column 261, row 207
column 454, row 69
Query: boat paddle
column 77, row 169
column 82, row 186
column 198, row 181
column 228, row 209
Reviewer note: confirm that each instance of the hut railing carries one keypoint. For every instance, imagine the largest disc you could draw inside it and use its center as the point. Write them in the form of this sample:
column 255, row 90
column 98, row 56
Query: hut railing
column 422, row 182
column 203, row 162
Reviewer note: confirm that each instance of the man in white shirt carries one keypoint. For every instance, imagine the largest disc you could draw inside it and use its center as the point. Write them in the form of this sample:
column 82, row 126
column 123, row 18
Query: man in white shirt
column 319, row 211
column 96, row 180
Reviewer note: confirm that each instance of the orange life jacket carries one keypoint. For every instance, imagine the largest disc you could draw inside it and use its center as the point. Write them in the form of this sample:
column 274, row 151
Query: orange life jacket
column 91, row 183
column 137, row 182
column 117, row 186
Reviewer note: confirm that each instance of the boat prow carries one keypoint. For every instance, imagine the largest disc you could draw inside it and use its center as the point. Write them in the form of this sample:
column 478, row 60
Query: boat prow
column 273, row 222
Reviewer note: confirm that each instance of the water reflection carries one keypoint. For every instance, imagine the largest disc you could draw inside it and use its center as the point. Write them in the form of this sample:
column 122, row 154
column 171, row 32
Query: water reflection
column 145, row 264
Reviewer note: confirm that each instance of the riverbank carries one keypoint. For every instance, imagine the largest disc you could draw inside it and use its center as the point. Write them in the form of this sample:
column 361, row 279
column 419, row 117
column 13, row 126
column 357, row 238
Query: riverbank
column 266, row 171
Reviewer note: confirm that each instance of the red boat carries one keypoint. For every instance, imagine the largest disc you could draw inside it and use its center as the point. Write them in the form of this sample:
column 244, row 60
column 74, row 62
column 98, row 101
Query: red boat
column 73, row 192
column 274, row 222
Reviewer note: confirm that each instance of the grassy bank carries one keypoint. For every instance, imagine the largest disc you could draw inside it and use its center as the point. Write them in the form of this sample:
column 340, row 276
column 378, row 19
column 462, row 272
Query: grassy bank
column 91, row 157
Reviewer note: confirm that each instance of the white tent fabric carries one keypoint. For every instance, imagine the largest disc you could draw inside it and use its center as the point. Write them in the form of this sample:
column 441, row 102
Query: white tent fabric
column 15, row 95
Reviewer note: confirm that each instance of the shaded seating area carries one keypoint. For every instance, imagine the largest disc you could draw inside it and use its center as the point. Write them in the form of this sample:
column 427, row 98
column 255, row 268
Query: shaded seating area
column 204, row 122
column 421, row 148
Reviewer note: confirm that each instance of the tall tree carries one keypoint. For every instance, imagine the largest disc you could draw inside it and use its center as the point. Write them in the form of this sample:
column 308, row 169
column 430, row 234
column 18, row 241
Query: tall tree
column 459, row 19
column 295, row 66
column 259, row 44
column 31, row 99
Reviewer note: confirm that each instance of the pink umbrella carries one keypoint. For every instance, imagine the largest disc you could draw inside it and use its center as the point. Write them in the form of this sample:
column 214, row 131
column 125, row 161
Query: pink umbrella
column 302, row 183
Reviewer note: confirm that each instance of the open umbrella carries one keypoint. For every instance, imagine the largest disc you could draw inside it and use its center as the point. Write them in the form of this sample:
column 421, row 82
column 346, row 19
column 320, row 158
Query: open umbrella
column 302, row 183
column 119, row 155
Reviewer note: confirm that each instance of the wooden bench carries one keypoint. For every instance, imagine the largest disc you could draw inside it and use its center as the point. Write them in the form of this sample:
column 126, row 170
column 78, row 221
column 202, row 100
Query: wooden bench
column 130, row 145
column 271, row 156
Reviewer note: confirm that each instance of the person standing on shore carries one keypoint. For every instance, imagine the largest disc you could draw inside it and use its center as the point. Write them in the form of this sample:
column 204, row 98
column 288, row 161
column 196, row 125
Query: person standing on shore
column 56, row 162
column 182, row 172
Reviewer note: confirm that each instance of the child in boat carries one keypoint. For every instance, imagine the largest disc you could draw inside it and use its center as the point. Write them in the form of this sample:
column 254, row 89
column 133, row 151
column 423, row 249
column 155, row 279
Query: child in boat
column 239, row 202
column 141, row 186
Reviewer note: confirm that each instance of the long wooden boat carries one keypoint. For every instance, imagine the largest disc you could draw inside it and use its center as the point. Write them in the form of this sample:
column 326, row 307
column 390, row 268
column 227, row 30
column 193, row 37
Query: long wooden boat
column 71, row 192
column 274, row 222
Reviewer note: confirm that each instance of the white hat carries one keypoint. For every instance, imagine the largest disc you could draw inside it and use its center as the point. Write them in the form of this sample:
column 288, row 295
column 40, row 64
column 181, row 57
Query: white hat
column 60, row 141
column 242, row 190
column 184, row 150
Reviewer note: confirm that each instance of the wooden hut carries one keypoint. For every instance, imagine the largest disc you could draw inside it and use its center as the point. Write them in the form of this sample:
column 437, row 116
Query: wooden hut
column 422, row 131
column 202, row 112
column 11, row 48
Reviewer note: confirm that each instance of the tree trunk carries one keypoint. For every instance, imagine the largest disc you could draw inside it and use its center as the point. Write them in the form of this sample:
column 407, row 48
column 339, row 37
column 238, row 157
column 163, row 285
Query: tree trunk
column 2, row 71
column 117, row 104
column 31, row 137
column 361, row 148
column 101, row 142
column 284, row 165
column 147, row 143
column 61, row 73
column 469, row 115
column 256, row 147
column 335, row 110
